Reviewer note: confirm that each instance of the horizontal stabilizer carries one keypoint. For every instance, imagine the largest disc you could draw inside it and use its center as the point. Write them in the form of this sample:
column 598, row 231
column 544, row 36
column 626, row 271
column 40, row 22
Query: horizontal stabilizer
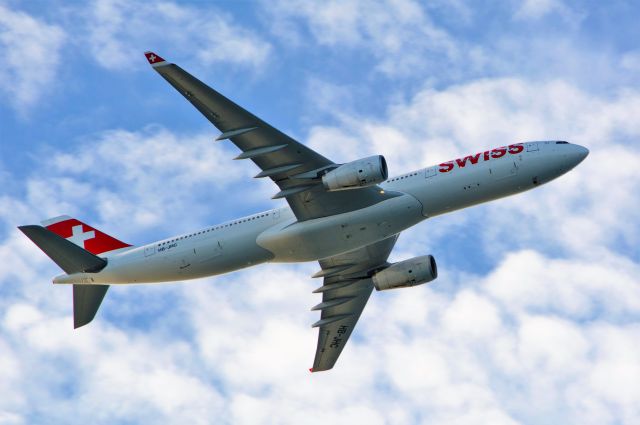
column 86, row 301
column 69, row 256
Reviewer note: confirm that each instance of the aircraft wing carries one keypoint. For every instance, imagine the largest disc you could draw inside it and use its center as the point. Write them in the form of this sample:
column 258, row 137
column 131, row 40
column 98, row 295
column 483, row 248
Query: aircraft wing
column 290, row 164
column 345, row 291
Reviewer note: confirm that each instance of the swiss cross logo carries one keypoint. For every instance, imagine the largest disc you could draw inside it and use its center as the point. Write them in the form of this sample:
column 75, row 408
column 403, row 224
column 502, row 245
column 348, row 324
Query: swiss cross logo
column 78, row 236
column 153, row 58
column 85, row 236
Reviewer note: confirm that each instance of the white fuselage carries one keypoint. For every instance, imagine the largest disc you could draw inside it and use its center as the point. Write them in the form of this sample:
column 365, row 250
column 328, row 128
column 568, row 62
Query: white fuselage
column 276, row 236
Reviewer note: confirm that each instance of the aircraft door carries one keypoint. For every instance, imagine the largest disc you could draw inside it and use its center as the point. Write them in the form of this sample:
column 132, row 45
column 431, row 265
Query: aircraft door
column 430, row 172
column 532, row 147
column 149, row 250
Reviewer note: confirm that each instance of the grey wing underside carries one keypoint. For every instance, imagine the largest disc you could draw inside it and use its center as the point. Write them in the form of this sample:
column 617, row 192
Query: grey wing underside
column 290, row 164
column 345, row 291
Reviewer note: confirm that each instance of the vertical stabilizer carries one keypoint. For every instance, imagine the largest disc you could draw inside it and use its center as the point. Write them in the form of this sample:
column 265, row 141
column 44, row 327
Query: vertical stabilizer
column 83, row 235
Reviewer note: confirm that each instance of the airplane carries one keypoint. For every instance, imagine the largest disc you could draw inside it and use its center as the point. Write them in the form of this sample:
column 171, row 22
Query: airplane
column 345, row 216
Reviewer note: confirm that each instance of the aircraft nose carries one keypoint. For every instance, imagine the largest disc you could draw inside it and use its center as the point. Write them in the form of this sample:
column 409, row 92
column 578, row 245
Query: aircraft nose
column 577, row 155
column 581, row 153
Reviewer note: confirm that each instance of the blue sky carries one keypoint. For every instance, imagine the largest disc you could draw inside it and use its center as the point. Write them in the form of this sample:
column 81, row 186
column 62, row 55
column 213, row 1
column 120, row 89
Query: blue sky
column 535, row 316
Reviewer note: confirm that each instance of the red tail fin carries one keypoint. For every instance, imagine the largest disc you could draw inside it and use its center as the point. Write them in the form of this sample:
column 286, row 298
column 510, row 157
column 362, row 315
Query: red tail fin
column 83, row 235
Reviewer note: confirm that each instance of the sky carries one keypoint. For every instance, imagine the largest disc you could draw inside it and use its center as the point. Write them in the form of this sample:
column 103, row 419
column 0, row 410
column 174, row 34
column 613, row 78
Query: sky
column 535, row 315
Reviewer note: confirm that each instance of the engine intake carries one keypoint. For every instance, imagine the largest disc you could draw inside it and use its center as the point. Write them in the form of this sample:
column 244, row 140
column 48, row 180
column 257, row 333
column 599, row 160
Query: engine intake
column 353, row 175
column 412, row 272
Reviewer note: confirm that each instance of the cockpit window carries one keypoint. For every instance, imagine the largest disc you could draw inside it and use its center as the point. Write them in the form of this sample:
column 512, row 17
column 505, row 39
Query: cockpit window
column 562, row 142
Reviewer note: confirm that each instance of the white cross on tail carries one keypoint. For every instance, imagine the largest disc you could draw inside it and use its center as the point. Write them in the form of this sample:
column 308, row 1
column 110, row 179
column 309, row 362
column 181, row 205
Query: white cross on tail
column 78, row 237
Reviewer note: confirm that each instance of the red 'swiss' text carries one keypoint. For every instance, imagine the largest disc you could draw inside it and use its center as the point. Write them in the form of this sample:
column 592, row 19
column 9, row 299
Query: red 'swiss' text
column 514, row 149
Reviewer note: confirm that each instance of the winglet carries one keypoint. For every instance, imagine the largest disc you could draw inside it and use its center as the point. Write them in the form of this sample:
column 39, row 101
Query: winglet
column 154, row 59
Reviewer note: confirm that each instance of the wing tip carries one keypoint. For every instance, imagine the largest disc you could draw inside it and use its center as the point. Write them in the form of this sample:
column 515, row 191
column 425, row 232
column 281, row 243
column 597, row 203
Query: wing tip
column 154, row 59
column 320, row 369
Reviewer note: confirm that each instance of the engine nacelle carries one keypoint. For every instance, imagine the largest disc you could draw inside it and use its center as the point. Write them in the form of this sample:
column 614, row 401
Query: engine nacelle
column 412, row 272
column 353, row 175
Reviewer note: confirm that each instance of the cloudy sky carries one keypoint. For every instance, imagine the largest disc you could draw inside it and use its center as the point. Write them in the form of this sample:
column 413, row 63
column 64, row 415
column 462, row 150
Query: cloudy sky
column 535, row 317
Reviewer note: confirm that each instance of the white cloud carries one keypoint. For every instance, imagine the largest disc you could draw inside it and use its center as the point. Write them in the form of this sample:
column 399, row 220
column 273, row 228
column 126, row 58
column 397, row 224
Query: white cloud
column 544, row 334
column 158, row 168
column 537, row 9
column 631, row 61
column 120, row 382
column 578, row 289
column 30, row 49
column 116, row 33
column 473, row 316
column 119, row 31
column 399, row 34
column 534, row 9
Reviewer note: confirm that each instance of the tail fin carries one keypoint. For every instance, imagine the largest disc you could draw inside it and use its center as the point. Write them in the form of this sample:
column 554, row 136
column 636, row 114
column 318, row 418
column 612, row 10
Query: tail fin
column 74, row 246
column 83, row 235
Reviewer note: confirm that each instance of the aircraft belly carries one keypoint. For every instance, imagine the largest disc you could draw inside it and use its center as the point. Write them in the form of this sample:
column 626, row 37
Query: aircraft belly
column 327, row 236
column 230, row 254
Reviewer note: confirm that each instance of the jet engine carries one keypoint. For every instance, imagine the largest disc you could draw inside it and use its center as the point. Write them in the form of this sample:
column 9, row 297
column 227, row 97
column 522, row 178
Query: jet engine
column 353, row 175
column 412, row 272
